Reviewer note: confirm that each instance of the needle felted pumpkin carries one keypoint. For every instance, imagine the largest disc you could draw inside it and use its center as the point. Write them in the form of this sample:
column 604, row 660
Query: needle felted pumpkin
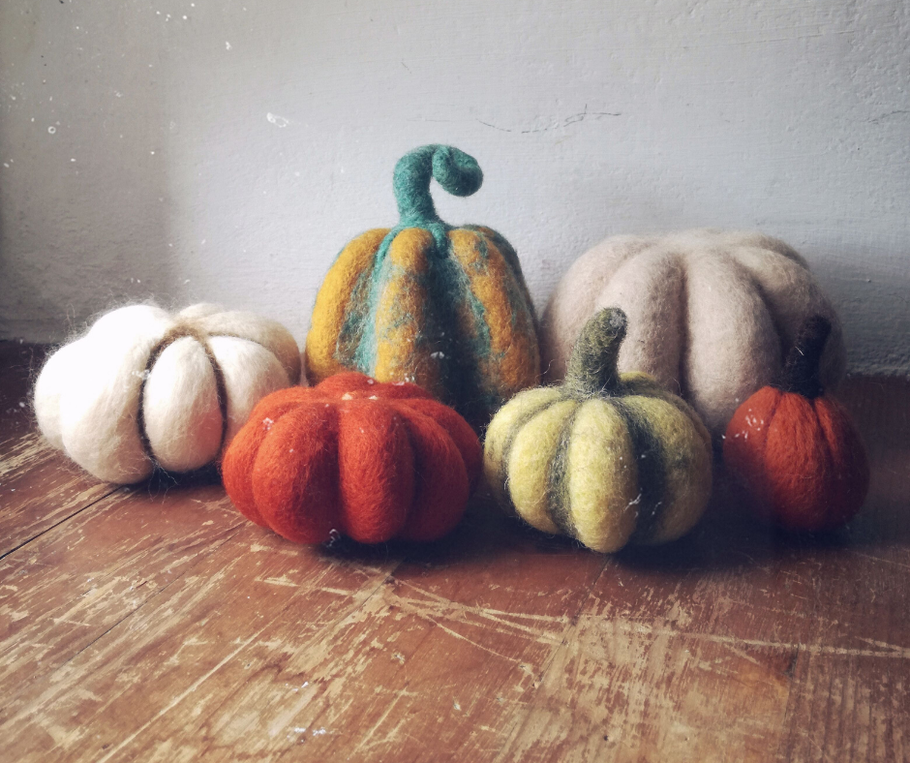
column 443, row 307
column 606, row 458
column 796, row 448
column 145, row 387
column 712, row 314
column 356, row 457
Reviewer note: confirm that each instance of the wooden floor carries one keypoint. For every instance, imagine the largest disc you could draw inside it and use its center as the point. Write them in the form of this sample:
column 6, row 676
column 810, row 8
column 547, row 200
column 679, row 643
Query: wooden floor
column 154, row 623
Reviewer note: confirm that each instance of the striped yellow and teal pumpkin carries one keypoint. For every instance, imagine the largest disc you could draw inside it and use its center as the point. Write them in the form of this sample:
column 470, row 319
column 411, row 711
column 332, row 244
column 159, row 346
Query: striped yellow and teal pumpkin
column 446, row 308
column 606, row 458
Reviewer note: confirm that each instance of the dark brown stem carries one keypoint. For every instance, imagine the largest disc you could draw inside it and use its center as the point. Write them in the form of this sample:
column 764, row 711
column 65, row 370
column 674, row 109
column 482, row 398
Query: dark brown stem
column 801, row 370
column 592, row 365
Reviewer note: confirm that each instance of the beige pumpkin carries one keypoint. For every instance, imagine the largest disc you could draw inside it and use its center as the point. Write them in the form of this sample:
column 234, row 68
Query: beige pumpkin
column 145, row 387
column 711, row 314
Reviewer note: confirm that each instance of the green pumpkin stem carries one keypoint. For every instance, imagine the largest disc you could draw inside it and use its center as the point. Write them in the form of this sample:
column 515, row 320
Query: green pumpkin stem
column 453, row 169
column 801, row 370
column 592, row 365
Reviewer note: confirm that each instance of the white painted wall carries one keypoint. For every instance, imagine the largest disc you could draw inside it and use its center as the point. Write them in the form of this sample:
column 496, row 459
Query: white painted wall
column 138, row 156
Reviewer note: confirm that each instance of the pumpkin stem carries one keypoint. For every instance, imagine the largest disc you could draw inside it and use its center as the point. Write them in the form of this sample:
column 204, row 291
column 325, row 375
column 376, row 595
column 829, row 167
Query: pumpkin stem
column 454, row 170
column 592, row 365
column 801, row 370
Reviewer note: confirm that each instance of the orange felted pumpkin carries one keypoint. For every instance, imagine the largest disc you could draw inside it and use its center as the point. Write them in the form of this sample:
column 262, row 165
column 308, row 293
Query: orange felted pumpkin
column 795, row 448
column 355, row 457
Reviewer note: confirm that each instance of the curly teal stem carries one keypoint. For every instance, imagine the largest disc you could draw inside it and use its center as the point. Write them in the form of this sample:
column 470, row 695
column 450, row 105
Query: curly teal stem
column 457, row 172
column 592, row 365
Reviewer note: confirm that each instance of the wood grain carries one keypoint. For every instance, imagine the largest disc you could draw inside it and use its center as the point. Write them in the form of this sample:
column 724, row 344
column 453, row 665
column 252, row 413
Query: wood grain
column 154, row 623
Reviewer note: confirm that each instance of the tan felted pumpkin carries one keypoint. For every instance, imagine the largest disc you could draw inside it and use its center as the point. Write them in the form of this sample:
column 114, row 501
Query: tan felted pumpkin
column 711, row 314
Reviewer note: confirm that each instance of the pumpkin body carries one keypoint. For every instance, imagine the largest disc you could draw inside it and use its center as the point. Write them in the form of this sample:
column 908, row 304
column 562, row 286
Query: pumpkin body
column 712, row 314
column 445, row 308
column 355, row 457
column 605, row 463
column 145, row 388
column 799, row 454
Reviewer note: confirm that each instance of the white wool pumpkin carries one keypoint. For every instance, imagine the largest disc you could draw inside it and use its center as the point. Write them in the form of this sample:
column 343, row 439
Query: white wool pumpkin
column 145, row 387
column 711, row 314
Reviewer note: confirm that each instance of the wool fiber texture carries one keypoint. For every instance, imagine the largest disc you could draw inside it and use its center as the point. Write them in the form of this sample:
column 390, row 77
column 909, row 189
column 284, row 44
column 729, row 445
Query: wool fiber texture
column 796, row 448
column 443, row 307
column 353, row 457
column 606, row 458
column 712, row 314
column 145, row 388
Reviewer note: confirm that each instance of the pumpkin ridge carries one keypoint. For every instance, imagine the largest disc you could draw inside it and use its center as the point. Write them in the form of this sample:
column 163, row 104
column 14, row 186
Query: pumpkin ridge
column 180, row 331
column 776, row 322
column 517, row 426
column 356, row 312
column 375, row 484
column 324, row 354
column 405, row 322
column 385, row 271
column 454, row 426
column 433, row 512
column 467, row 337
column 313, row 431
column 557, row 479
column 508, row 345
column 652, row 482
column 509, row 255
column 529, row 463
column 603, row 478
column 855, row 470
column 477, row 332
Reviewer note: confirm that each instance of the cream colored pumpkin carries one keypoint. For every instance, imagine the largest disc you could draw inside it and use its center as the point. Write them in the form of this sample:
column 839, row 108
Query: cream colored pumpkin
column 145, row 388
column 712, row 314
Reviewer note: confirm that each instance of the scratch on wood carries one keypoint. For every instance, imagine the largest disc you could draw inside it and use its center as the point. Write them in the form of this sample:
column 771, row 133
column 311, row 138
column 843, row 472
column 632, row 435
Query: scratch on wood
column 177, row 699
column 888, row 651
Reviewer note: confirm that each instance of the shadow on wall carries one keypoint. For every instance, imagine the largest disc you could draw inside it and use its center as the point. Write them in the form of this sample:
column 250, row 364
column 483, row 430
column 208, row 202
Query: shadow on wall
column 858, row 288
column 83, row 189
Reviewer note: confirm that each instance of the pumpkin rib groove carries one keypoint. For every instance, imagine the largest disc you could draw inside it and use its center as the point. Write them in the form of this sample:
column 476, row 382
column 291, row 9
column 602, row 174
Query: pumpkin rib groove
column 481, row 285
column 458, row 306
column 375, row 468
column 408, row 301
column 355, row 312
column 515, row 431
column 651, row 471
column 558, row 507
column 510, row 256
column 328, row 346
column 457, row 429
column 278, row 476
column 603, row 489
column 434, row 504
column 767, row 303
column 387, row 267
column 530, row 460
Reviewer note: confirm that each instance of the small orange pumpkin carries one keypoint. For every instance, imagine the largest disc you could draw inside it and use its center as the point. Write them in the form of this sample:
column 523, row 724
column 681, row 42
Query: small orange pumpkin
column 355, row 457
column 796, row 448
